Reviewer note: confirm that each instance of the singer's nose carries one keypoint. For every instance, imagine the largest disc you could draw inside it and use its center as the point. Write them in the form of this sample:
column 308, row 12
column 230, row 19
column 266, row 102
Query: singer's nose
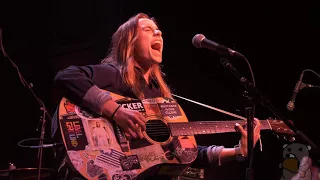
column 157, row 32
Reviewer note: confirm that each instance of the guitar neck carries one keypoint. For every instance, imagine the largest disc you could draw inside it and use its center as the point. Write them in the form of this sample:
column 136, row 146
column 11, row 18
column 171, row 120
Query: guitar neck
column 208, row 127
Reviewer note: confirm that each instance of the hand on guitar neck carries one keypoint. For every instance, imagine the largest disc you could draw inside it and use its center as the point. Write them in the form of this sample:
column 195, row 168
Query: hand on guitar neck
column 243, row 146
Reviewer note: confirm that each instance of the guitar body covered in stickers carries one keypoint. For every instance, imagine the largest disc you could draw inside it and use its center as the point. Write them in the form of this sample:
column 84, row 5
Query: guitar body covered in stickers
column 98, row 149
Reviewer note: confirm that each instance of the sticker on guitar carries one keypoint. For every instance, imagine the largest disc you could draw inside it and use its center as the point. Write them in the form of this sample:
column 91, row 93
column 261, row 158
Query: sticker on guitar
column 149, row 155
column 76, row 159
column 115, row 161
column 151, row 107
column 84, row 114
column 170, row 110
column 73, row 131
column 109, row 159
column 99, row 131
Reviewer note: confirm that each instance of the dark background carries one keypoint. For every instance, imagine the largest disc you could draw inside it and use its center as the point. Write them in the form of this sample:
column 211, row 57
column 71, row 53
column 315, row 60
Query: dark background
column 279, row 38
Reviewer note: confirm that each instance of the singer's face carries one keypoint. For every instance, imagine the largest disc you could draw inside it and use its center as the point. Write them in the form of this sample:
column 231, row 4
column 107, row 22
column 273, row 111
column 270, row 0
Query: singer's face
column 149, row 44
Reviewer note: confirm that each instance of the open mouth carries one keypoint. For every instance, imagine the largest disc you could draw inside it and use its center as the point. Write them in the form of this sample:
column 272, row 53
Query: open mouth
column 290, row 155
column 156, row 45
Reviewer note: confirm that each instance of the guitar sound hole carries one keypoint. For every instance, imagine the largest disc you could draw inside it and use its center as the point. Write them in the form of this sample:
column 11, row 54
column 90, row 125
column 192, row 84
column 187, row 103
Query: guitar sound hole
column 157, row 130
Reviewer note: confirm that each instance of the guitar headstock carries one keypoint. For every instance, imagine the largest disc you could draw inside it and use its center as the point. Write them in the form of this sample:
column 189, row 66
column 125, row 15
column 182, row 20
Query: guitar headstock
column 281, row 128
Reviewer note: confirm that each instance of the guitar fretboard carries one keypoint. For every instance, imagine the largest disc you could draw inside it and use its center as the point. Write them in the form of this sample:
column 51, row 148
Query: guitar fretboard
column 208, row 127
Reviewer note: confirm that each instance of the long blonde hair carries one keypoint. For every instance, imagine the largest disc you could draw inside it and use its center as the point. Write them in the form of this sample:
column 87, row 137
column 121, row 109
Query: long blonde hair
column 122, row 54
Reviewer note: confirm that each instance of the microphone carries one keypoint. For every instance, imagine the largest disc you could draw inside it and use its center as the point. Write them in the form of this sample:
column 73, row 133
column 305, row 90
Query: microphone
column 200, row 41
column 299, row 85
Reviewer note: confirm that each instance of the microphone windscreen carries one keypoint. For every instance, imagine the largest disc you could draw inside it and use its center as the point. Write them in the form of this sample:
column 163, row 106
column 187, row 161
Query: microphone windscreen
column 197, row 39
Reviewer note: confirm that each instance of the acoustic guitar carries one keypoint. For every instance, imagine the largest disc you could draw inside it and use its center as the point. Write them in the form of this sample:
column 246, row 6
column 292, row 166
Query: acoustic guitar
column 98, row 149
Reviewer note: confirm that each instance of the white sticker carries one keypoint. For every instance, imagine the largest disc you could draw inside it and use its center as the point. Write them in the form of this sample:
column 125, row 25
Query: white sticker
column 76, row 159
column 150, row 155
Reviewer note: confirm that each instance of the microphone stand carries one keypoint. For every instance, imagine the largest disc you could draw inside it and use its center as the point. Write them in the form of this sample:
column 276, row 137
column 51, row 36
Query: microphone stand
column 45, row 113
column 256, row 96
column 249, row 115
column 249, row 111
column 42, row 133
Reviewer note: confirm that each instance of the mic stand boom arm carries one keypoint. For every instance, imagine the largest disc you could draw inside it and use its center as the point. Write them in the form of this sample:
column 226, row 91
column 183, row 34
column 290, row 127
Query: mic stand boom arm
column 258, row 97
